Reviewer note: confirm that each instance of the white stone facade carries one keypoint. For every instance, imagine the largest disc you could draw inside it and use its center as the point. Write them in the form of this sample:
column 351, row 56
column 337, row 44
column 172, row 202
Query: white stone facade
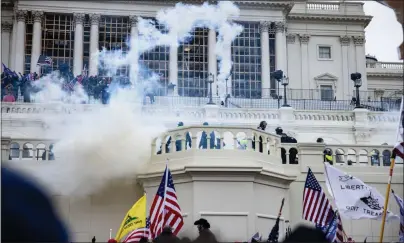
column 303, row 30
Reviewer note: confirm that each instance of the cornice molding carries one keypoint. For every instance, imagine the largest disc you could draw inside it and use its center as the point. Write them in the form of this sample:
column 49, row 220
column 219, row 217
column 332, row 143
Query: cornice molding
column 385, row 74
column 365, row 20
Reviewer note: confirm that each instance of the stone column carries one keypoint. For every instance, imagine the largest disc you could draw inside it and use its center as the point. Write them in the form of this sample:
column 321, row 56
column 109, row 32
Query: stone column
column 5, row 43
column 134, row 66
column 360, row 56
column 347, row 84
column 304, row 40
column 280, row 47
column 173, row 65
column 265, row 78
column 36, row 40
column 93, row 65
column 212, row 60
column 12, row 45
column 20, row 41
column 78, row 44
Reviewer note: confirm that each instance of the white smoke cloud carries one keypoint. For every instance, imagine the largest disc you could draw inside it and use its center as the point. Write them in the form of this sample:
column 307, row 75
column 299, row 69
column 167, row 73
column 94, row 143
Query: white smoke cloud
column 114, row 141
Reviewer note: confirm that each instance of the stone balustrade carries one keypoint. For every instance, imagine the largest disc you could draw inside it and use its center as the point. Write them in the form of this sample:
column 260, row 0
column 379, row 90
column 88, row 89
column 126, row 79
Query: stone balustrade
column 27, row 149
column 214, row 114
column 247, row 141
column 385, row 67
column 333, row 8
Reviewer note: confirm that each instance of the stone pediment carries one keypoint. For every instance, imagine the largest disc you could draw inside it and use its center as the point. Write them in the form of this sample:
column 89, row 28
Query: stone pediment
column 326, row 77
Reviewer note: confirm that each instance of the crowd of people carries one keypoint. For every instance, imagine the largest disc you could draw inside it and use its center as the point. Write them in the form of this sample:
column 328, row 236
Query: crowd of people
column 15, row 85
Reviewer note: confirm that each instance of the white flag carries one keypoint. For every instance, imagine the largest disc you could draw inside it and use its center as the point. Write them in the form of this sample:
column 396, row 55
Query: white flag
column 353, row 198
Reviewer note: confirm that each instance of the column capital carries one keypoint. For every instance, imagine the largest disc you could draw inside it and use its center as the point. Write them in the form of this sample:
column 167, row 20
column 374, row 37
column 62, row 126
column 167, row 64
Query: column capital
column 344, row 40
column 37, row 16
column 78, row 18
column 359, row 40
column 6, row 27
column 290, row 38
column 280, row 26
column 133, row 19
column 304, row 39
column 95, row 19
column 21, row 15
column 264, row 26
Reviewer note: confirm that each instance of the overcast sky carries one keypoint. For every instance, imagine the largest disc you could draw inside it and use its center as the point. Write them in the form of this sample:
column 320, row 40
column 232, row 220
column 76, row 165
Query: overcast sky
column 384, row 34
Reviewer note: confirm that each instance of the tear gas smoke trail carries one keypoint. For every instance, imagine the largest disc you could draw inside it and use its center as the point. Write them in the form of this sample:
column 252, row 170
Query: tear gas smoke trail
column 180, row 21
column 113, row 142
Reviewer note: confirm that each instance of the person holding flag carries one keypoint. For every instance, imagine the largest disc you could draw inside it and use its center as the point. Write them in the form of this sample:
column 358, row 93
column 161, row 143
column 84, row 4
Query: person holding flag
column 134, row 219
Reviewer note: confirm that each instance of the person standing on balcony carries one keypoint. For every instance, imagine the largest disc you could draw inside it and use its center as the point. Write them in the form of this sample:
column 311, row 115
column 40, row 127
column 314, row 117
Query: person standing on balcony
column 9, row 97
column 204, row 139
column 178, row 143
column 262, row 126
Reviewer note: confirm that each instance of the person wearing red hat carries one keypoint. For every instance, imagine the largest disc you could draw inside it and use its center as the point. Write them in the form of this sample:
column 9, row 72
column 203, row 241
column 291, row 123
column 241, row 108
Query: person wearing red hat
column 112, row 241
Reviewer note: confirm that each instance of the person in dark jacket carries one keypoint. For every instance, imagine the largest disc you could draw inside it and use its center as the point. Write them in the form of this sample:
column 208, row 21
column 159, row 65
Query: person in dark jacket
column 178, row 143
column 167, row 236
column 204, row 139
column 27, row 212
column 205, row 235
column 262, row 126
column 143, row 240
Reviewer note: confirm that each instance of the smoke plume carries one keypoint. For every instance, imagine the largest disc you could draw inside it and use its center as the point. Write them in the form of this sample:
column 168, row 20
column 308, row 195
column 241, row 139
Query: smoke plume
column 114, row 141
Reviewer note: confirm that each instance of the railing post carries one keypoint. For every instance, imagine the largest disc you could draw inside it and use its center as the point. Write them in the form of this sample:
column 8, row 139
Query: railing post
column 211, row 113
column 286, row 115
column 310, row 154
column 5, row 148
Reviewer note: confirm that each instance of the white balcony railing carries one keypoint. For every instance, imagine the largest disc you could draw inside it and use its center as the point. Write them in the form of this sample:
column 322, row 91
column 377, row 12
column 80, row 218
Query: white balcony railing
column 385, row 66
column 222, row 115
column 240, row 141
column 323, row 6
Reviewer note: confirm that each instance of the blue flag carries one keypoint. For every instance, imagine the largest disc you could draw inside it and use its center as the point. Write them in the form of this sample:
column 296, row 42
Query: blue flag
column 329, row 229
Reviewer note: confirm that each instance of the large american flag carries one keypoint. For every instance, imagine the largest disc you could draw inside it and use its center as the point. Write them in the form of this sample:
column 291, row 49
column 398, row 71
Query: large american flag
column 137, row 234
column 165, row 210
column 317, row 208
column 399, row 148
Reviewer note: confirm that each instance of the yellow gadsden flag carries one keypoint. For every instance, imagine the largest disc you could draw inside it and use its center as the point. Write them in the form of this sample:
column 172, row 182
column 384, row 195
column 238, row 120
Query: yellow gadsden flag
column 134, row 219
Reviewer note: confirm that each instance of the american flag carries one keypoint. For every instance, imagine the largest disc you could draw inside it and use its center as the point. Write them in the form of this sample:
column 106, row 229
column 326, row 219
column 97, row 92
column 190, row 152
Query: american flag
column 400, row 203
column 399, row 148
column 44, row 60
column 316, row 207
column 137, row 234
column 333, row 234
column 165, row 210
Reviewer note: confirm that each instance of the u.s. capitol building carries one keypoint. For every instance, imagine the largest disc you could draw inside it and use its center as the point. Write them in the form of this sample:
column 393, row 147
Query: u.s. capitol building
column 318, row 45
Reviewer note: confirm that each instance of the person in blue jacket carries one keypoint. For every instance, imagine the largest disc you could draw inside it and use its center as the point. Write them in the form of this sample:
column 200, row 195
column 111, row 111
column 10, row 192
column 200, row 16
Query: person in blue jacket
column 178, row 145
column 204, row 139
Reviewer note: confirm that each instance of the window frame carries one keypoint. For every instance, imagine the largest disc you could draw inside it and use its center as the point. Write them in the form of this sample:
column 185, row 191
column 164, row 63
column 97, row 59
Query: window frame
column 318, row 53
column 321, row 90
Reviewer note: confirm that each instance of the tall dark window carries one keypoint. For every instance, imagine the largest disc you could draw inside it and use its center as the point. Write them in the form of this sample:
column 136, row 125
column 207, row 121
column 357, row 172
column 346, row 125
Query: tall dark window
column 246, row 57
column 86, row 43
column 156, row 61
column 193, row 65
column 58, row 39
column 113, row 35
column 28, row 42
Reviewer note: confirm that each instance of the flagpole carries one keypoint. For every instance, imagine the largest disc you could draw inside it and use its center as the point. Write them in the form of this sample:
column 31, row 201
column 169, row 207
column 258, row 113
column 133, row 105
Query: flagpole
column 165, row 195
column 393, row 161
